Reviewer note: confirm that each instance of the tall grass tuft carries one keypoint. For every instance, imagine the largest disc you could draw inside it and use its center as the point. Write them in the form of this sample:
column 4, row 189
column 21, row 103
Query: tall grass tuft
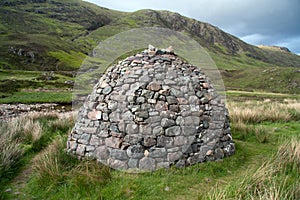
column 32, row 131
column 23, row 129
column 53, row 124
column 293, row 107
column 10, row 156
column 260, row 111
column 246, row 132
column 277, row 178
column 289, row 155
column 27, row 134
column 63, row 123
column 14, row 134
column 89, row 173
column 47, row 116
column 54, row 168
column 53, row 163
column 261, row 134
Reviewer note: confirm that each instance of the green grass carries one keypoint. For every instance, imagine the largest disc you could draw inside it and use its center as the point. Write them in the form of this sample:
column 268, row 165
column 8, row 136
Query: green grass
column 18, row 75
column 105, row 32
column 276, row 178
column 22, row 138
column 240, row 72
column 188, row 183
column 238, row 95
column 38, row 97
column 261, row 148
column 17, row 86
column 275, row 79
column 49, row 27
column 72, row 59
column 185, row 183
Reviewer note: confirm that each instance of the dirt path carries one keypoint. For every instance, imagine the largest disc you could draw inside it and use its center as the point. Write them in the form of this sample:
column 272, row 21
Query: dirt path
column 19, row 182
column 15, row 188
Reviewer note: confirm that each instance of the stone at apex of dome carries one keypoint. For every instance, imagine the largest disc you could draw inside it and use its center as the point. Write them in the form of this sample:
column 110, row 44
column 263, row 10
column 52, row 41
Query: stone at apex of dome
column 153, row 50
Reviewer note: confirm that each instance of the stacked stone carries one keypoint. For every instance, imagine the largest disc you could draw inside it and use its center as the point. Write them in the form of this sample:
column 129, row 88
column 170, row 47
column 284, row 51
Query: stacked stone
column 150, row 111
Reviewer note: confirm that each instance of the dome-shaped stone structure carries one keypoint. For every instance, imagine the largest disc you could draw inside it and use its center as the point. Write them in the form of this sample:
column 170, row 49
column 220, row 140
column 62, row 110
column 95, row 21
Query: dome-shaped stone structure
column 150, row 111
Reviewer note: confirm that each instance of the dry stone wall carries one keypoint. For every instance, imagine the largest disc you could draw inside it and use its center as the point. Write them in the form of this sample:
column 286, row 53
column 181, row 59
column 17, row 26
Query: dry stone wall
column 150, row 111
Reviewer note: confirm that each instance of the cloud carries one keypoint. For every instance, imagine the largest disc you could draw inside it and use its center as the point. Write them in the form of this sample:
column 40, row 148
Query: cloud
column 267, row 22
column 254, row 38
column 292, row 43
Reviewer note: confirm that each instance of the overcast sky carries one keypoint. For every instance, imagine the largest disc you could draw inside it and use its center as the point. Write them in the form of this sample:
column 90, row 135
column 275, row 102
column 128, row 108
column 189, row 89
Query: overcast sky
column 267, row 22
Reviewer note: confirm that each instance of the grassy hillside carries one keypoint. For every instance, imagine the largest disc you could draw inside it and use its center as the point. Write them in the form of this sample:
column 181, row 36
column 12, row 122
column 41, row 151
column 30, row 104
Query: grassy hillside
column 52, row 35
column 40, row 35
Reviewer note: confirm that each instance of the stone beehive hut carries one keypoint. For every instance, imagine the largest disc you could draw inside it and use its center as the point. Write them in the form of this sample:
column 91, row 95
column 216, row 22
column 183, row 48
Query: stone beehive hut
column 150, row 111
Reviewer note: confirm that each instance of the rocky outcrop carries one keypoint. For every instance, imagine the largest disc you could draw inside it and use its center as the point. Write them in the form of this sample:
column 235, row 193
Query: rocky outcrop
column 30, row 55
column 278, row 48
column 206, row 34
column 150, row 111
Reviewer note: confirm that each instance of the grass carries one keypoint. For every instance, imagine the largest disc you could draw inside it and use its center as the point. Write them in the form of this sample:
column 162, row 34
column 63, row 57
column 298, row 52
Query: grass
column 56, row 171
column 236, row 62
column 21, row 138
column 258, row 111
column 253, row 120
column 240, row 72
column 276, row 178
column 38, row 97
column 241, row 96
column 266, row 164
column 49, row 27
column 248, row 132
column 19, row 86
column 254, row 78
column 72, row 59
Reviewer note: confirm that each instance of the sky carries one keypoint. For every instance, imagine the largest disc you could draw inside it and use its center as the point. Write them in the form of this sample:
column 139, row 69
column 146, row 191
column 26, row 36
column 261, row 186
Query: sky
column 257, row 22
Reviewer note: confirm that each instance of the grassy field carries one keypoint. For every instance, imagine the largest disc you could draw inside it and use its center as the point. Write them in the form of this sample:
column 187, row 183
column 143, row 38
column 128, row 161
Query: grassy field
column 34, row 164
column 18, row 86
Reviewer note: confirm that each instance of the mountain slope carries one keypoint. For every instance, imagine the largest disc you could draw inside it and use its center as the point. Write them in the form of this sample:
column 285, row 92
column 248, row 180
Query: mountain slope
column 211, row 37
column 40, row 35
column 57, row 35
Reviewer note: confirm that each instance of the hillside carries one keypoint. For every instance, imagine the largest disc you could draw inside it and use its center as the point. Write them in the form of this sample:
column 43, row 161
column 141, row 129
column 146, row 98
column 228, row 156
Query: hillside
column 40, row 35
column 52, row 35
